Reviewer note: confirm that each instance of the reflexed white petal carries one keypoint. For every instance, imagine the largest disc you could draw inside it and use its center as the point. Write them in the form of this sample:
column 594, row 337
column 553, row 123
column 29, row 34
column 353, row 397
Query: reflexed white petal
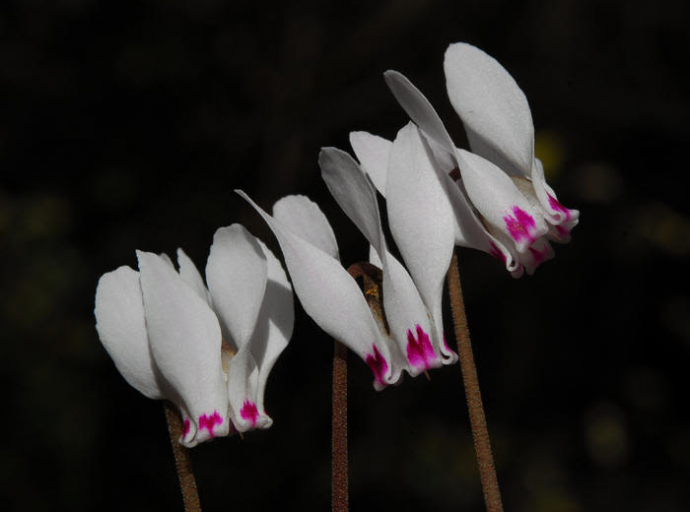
column 305, row 219
column 419, row 109
column 121, row 327
column 421, row 218
column 190, row 274
column 405, row 310
column 469, row 231
column 372, row 153
column 354, row 193
column 331, row 296
column 406, row 315
column 274, row 325
column 185, row 341
column 236, row 272
column 499, row 201
column 492, row 107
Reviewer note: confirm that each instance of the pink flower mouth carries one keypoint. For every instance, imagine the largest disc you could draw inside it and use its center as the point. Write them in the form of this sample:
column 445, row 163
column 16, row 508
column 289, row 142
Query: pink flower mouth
column 249, row 412
column 209, row 422
column 520, row 225
column 420, row 353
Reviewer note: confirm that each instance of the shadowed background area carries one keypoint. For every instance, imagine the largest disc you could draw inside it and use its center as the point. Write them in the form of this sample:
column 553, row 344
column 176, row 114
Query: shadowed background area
column 126, row 125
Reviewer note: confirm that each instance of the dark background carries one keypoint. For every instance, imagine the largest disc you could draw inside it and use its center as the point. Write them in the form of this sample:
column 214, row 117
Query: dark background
column 126, row 125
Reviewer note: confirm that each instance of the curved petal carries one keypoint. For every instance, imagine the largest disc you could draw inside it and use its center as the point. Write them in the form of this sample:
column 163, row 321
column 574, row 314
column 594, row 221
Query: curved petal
column 421, row 219
column 236, row 272
column 469, row 232
column 276, row 321
column 405, row 311
column 492, row 107
column 408, row 318
column 372, row 153
column 190, row 274
column 185, row 340
column 250, row 368
column 499, row 201
column 122, row 329
column 307, row 221
column 353, row 192
column 332, row 298
column 419, row 109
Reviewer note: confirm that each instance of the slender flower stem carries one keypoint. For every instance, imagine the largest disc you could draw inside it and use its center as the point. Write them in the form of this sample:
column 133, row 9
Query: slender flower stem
column 339, row 484
column 183, row 463
column 371, row 283
column 480, row 432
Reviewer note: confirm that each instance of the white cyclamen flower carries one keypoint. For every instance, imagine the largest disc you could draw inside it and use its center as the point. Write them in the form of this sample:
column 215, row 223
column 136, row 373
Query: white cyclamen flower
column 505, row 206
column 414, row 340
column 207, row 350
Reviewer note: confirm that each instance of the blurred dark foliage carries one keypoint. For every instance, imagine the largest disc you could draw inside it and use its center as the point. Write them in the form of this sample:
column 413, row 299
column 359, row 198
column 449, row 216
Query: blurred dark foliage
column 127, row 125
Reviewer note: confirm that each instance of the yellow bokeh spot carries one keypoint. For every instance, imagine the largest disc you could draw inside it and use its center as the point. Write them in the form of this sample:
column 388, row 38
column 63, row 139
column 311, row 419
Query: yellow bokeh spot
column 550, row 149
column 665, row 228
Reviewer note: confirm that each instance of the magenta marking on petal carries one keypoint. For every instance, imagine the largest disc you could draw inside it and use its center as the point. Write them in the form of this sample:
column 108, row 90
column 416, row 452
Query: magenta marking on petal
column 539, row 256
column 378, row 365
column 209, row 422
column 498, row 254
column 558, row 207
column 521, row 225
column 563, row 232
column 185, row 427
column 249, row 412
column 420, row 353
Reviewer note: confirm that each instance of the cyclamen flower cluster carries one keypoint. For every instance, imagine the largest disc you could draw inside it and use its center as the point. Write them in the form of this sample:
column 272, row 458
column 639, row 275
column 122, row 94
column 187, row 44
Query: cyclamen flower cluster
column 499, row 194
column 209, row 350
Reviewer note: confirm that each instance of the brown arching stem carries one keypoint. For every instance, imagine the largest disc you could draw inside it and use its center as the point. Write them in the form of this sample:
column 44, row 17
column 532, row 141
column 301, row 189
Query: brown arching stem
column 183, row 463
column 480, row 432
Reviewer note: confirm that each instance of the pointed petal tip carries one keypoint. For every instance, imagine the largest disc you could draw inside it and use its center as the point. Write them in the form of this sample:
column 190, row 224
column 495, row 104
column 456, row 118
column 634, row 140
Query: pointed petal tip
column 395, row 79
column 391, row 74
column 246, row 197
column 330, row 155
column 323, row 156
